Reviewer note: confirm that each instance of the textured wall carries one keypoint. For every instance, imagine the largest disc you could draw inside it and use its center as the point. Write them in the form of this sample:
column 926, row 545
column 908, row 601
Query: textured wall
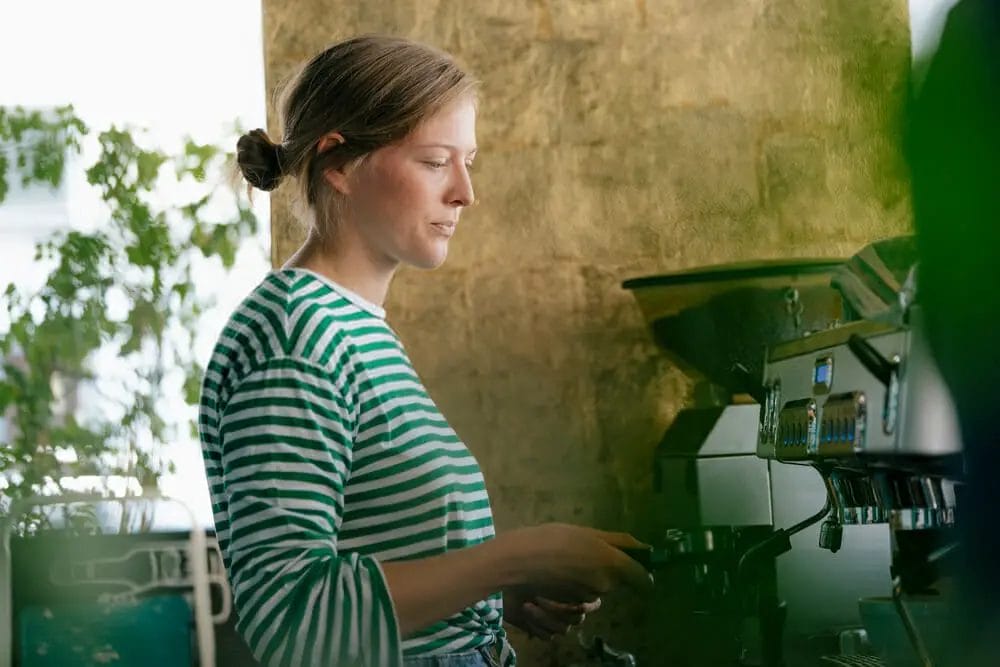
column 617, row 139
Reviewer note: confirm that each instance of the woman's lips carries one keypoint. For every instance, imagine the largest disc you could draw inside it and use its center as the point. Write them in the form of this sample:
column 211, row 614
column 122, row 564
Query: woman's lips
column 444, row 228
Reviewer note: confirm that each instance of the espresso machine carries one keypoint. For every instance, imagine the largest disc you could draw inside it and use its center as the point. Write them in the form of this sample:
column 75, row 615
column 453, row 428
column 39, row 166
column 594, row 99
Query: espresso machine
column 865, row 406
column 809, row 492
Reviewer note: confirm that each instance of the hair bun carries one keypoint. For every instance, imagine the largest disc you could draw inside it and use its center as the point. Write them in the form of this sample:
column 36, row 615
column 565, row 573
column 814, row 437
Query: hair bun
column 260, row 160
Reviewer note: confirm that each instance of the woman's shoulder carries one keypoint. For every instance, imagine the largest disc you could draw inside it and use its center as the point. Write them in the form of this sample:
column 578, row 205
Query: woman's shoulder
column 295, row 314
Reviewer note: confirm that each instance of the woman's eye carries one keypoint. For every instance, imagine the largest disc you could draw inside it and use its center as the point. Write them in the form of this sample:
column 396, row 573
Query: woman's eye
column 435, row 164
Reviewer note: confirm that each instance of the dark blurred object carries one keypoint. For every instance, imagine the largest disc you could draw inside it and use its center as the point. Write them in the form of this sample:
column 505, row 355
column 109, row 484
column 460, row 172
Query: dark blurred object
column 70, row 597
column 152, row 631
column 953, row 147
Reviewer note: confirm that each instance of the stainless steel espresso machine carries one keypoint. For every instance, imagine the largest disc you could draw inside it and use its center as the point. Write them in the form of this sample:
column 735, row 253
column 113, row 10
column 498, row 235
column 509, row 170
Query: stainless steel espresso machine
column 809, row 494
column 865, row 406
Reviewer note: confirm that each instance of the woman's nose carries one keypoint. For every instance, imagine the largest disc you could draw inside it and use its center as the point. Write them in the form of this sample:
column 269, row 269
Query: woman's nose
column 462, row 191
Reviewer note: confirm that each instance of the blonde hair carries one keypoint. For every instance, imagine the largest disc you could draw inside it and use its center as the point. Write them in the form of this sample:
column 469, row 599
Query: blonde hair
column 374, row 90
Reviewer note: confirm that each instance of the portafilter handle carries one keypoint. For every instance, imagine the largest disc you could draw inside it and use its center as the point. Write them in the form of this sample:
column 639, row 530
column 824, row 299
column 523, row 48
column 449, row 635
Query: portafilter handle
column 658, row 558
column 645, row 556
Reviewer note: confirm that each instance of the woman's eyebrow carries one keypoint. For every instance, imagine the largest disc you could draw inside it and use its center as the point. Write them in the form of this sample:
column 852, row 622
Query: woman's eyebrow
column 450, row 147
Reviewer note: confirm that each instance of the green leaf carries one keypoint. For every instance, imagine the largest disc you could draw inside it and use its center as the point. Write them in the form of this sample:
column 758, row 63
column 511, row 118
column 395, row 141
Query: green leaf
column 4, row 188
column 192, row 385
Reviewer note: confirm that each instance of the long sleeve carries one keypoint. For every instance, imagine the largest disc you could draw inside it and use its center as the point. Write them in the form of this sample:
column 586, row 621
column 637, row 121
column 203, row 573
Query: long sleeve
column 285, row 438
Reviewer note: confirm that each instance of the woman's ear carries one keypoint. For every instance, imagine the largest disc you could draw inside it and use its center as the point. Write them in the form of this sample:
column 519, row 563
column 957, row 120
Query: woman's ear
column 335, row 176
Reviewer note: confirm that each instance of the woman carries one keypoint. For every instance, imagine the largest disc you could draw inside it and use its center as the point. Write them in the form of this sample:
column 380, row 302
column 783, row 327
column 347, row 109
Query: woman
column 354, row 523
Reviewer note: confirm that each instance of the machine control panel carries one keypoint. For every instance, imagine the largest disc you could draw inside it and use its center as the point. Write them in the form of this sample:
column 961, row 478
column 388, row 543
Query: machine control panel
column 837, row 428
column 863, row 390
column 821, row 400
column 798, row 434
column 843, row 425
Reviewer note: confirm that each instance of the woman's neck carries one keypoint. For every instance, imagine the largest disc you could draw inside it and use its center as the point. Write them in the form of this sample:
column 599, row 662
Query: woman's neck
column 345, row 264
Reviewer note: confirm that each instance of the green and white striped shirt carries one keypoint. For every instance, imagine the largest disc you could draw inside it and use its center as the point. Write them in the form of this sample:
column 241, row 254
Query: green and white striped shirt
column 325, row 455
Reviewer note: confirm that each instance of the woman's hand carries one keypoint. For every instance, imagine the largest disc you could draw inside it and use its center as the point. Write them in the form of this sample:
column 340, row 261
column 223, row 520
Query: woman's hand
column 567, row 562
column 542, row 617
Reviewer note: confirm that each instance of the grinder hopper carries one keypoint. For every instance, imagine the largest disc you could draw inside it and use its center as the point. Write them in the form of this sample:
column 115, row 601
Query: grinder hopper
column 716, row 321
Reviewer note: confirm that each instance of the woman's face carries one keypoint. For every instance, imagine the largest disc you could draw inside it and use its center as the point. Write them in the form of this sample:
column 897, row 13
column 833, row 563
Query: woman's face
column 406, row 198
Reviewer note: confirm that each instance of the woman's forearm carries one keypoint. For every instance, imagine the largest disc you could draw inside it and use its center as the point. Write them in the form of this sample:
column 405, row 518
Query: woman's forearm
column 430, row 589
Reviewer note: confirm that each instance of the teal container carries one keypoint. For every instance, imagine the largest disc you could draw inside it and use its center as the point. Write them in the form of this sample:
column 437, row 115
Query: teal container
column 151, row 632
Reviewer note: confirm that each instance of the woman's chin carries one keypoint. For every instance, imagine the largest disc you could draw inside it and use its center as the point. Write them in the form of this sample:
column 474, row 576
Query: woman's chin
column 430, row 260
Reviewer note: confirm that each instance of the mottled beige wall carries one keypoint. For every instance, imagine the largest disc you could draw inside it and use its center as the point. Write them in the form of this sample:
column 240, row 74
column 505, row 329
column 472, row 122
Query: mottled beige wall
column 617, row 139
